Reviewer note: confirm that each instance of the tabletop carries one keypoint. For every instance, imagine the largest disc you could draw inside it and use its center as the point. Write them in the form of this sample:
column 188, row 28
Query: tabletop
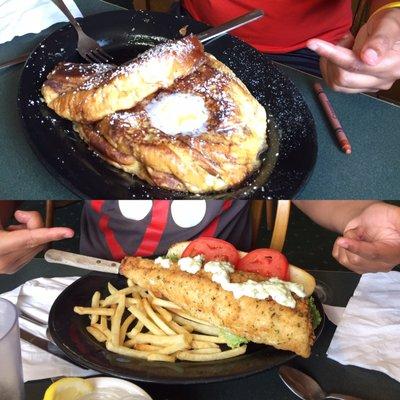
column 372, row 126
column 333, row 377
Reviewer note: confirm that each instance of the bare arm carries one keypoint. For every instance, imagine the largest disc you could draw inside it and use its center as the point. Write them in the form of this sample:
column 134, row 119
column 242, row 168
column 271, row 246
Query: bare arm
column 333, row 214
column 370, row 232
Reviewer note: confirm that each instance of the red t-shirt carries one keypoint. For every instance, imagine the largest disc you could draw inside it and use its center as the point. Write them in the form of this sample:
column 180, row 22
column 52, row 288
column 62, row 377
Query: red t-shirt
column 287, row 24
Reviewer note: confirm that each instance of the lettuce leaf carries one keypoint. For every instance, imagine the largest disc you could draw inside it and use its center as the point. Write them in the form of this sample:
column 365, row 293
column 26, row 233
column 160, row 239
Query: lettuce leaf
column 315, row 315
column 232, row 340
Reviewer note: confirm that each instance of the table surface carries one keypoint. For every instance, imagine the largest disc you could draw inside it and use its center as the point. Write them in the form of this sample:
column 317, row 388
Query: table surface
column 334, row 377
column 372, row 126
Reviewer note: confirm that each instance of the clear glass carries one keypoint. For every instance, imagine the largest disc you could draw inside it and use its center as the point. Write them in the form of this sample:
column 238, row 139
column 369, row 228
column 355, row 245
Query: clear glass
column 11, row 381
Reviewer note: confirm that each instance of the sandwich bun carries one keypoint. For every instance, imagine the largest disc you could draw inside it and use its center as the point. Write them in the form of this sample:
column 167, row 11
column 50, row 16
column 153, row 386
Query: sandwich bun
column 297, row 275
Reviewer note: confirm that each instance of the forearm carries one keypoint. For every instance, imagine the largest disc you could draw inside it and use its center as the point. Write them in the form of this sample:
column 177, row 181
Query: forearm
column 7, row 209
column 333, row 214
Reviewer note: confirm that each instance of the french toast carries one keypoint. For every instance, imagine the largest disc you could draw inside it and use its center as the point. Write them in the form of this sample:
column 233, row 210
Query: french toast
column 200, row 132
column 215, row 158
column 121, row 88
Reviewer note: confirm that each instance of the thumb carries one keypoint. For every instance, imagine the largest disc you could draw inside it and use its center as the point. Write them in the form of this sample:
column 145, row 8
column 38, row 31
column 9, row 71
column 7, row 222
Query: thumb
column 381, row 38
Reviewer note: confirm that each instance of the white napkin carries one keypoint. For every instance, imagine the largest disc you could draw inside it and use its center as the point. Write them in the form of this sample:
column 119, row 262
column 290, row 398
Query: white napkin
column 333, row 313
column 368, row 334
column 35, row 298
column 19, row 17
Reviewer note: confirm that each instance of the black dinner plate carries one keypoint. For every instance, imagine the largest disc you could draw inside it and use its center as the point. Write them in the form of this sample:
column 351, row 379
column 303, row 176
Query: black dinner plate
column 286, row 165
column 68, row 332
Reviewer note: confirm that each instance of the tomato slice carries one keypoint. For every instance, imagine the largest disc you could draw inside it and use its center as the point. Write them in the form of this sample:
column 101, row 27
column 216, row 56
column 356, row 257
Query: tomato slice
column 213, row 250
column 266, row 262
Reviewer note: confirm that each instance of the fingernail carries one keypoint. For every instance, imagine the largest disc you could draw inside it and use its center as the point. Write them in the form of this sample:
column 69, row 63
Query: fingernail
column 20, row 214
column 343, row 244
column 68, row 235
column 371, row 56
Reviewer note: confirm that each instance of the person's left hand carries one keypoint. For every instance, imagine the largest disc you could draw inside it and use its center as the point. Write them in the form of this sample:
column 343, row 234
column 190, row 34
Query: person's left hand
column 371, row 241
column 368, row 63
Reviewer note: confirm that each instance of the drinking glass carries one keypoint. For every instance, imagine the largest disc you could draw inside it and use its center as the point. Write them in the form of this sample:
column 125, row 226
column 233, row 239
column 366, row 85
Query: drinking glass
column 11, row 381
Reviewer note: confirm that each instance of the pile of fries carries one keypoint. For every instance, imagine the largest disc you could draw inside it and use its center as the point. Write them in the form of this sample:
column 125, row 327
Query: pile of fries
column 154, row 329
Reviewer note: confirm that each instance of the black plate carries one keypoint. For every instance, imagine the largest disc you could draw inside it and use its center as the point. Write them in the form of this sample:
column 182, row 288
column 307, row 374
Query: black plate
column 291, row 132
column 68, row 332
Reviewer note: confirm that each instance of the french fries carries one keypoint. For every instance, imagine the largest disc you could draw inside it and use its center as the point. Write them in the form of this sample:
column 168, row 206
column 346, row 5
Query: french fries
column 134, row 322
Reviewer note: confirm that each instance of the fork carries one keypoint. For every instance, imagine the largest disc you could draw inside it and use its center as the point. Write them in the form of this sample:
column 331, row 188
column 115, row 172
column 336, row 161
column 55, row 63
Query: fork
column 87, row 47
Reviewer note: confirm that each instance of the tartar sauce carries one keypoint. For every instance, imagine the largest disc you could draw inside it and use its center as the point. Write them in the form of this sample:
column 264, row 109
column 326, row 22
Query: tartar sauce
column 277, row 289
column 163, row 262
column 191, row 265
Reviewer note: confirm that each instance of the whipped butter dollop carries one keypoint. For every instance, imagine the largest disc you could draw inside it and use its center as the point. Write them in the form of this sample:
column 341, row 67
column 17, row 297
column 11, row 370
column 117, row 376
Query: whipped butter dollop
column 178, row 113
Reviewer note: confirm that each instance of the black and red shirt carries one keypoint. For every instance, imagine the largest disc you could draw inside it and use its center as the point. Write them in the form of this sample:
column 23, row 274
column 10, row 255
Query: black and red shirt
column 112, row 229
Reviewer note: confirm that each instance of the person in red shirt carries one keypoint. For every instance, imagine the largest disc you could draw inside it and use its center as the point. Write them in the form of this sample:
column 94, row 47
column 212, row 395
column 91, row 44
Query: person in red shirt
column 296, row 33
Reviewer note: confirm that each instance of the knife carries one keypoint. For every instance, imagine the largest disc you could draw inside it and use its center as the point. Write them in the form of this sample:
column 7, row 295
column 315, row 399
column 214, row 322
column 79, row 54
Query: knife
column 80, row 261
column 44, row 344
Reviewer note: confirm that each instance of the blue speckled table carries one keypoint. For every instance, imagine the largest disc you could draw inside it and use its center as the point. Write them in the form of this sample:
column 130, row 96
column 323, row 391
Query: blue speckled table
column 373, row 127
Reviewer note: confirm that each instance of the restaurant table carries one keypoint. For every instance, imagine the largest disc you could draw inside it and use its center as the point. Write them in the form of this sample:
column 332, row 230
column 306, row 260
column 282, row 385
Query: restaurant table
column 333, row 377
column 372, row 125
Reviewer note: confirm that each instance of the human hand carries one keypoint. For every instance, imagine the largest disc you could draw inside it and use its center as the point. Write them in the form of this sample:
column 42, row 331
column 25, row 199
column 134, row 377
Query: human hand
column 371, row 241
column 368, row 63
column 20, row 243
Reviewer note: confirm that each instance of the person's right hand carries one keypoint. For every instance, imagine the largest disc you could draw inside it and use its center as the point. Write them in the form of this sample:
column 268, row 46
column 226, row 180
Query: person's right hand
column 20, row 243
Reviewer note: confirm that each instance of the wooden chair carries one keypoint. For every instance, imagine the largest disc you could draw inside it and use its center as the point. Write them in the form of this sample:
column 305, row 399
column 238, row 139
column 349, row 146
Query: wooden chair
column 281, row 210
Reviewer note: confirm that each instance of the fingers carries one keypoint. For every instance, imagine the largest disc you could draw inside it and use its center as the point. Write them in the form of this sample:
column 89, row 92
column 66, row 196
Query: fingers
column 382, row 33
column 340, row 56
column 345, row 81
column 360, row 256
column 11, row 228
column 374, row 251
column 32, row 219
column 22, row 239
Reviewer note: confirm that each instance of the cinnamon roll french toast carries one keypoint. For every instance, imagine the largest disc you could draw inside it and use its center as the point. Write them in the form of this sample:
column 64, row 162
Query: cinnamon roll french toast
column 201, row 133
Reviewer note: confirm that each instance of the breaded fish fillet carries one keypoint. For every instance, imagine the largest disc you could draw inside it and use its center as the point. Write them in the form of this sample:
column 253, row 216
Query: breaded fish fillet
column 260, row 321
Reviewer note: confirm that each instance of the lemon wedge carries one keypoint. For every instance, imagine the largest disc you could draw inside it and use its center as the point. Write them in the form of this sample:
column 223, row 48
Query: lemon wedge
column 68, row 389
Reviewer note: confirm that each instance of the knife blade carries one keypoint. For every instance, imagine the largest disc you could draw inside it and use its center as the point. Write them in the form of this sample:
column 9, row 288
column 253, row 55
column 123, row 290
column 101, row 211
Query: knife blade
column 44, row 344
column 80, row 261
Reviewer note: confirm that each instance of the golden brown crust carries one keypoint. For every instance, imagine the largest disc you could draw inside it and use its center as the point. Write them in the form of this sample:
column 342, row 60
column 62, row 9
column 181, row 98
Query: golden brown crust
column 235, row 134
column 123, row 87
column 261, row 321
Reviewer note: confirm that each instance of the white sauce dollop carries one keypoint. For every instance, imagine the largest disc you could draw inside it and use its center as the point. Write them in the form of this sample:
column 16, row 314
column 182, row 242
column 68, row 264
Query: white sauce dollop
column 191, row 265
column 163, row 262
column 277, row 289
column 178, row 113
